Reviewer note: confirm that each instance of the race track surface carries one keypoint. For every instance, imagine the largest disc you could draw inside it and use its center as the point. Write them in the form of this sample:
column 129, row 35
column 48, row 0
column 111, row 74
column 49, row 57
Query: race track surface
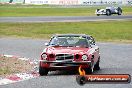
column 63, row 18
column 115, row 59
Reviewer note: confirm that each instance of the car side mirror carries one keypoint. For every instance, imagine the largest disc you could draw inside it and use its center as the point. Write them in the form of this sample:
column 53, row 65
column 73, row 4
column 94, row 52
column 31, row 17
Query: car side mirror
column 46, row 44
column 92, row 42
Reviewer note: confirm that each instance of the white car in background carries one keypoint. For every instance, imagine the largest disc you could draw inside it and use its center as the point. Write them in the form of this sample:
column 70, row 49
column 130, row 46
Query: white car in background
column 109, row 11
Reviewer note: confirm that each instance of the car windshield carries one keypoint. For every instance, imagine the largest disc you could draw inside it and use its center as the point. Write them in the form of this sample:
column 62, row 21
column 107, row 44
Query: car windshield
column 69, row 41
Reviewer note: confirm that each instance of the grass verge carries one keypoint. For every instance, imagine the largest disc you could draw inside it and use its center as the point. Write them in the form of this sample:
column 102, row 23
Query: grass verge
column 102, row 31
column 47, row 10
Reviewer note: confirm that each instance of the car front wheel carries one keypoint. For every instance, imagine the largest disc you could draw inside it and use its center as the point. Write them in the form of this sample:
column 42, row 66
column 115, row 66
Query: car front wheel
column 96, row 66
column 89, row 70
column 98, row 14
column 43, row 71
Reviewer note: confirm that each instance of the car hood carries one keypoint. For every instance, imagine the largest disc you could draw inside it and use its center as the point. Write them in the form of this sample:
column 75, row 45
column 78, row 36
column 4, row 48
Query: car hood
column 67, row 50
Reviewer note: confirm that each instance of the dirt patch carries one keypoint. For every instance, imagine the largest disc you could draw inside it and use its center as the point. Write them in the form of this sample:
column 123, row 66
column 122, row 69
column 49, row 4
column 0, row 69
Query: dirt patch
column 12, row 65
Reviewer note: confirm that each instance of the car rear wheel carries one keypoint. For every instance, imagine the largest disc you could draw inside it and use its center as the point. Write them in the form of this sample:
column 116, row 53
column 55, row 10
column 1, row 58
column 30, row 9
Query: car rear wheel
column 96, row 66
column 108, row 12
column 43, row 71
column 119, row 12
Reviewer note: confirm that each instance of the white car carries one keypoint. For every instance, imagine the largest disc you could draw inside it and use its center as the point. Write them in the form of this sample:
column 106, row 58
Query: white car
column 108, row 11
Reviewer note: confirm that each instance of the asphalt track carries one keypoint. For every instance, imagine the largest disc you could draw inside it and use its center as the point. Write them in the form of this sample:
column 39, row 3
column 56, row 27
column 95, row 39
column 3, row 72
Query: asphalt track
column 63, row 18
column 115, row 59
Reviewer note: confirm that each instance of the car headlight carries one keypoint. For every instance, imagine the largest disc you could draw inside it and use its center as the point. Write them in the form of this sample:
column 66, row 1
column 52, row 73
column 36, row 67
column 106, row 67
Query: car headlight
column 44, row 56
column 84, row 57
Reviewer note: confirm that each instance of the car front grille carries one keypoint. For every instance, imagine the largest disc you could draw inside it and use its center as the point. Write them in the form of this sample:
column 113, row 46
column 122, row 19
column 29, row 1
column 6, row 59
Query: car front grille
column 64, row 56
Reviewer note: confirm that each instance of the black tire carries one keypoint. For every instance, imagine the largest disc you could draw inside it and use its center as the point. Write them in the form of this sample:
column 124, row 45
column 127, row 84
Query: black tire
column 89, row 70
column 108, row 12
column 96, row 66
column 98, row 14
column 97, row 11
column 119, row 12
column 43, row 71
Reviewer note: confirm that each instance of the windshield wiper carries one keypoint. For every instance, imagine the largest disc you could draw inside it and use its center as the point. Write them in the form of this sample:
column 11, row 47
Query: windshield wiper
column 55, row 45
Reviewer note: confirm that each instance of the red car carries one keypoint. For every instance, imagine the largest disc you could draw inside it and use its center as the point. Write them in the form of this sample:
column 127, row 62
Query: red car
column 68, row 52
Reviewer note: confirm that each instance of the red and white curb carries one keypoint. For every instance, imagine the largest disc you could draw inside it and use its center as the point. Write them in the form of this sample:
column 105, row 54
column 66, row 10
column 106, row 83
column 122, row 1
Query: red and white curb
column 20, row 76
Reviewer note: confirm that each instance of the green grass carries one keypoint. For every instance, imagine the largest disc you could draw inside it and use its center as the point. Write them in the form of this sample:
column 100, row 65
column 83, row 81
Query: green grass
column 47, row 10
column 102, row 31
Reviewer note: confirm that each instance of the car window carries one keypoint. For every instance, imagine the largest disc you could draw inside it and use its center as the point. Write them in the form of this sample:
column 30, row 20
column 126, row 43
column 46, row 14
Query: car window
column 70, row 41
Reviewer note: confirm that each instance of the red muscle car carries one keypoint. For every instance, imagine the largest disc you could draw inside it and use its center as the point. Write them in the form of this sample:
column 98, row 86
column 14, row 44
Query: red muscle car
column 68, row 52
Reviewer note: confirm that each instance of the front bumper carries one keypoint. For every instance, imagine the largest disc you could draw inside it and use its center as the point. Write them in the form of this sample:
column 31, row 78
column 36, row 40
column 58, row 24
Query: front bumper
column 68, row 64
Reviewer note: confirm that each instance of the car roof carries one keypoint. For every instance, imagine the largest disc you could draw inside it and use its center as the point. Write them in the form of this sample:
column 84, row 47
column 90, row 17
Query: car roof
column 59, row 35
